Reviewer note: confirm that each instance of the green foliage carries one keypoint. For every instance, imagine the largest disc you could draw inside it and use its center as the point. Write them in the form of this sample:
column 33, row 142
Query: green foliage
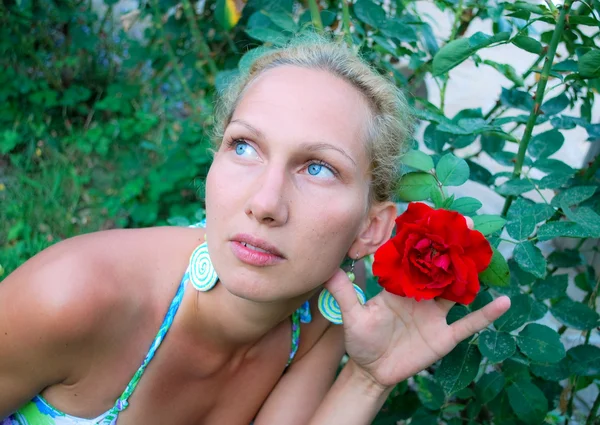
column 101, row 128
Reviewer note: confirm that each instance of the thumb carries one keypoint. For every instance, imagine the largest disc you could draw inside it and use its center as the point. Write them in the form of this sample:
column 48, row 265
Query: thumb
column 343, row 291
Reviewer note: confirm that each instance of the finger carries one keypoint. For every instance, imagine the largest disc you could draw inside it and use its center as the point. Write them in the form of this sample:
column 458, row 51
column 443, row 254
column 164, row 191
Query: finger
column 444, row 304
column 480, row 319
column 470, row 222
column 343, row 291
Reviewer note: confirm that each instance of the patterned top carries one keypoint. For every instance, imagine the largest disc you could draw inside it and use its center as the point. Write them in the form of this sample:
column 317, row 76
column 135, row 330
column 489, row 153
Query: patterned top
column 39, row 412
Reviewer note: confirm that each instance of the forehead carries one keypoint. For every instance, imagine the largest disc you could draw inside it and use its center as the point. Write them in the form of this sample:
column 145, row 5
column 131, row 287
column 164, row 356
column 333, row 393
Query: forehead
column 294, row 103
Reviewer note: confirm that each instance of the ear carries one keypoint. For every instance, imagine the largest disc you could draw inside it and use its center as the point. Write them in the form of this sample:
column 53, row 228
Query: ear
column 376, row 231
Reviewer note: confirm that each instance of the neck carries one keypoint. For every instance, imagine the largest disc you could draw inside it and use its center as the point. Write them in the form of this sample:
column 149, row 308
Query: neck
column 230, row 322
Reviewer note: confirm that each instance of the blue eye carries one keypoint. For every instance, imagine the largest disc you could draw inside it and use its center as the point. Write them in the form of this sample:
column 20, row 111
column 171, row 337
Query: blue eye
column 320, row 170
column 244, row 149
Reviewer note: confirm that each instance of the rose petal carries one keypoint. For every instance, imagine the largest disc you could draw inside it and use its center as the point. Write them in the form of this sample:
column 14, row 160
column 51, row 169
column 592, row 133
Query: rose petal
column 480, row 250
column 416, row 212
column 442, row 261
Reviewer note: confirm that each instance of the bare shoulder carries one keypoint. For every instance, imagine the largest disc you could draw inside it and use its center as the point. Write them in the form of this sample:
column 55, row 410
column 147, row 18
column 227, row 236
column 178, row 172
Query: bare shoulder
column 76, row 282
column 60, row 307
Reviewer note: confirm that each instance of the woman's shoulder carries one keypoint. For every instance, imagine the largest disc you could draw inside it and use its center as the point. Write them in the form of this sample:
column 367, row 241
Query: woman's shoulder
column 79, row 282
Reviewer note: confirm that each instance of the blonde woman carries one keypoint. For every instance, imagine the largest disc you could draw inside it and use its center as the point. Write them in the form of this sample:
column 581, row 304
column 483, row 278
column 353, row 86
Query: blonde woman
column 203, row 325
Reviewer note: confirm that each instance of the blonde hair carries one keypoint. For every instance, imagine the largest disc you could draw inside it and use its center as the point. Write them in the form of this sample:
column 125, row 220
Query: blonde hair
column 390, row 123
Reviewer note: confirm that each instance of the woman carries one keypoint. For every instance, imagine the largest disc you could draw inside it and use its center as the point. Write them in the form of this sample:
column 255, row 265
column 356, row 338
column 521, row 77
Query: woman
column 301, row 179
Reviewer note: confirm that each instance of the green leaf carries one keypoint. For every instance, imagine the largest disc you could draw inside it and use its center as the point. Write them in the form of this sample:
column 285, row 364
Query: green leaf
column 555, row 105
column 451, row 170
column 551, row 371
column 283, row 20
column 488, row 223
column 433, row 139
column 584, row 360
column 436, row 197
column 528, row 402
column 415, row 187
column 458, row 368
column 457, row 312
column 417, row 159
column 491, row 142
column 516, row 369
column 268, row 35
column 568, row 65
column 528, row 44
column 496, row 346
column 554, row 181
column 479, row 173
column 424, row 417
column 589, row 64
column 430, row 393
column 466, row 205
column 564, row 122
column 226, row 14
column 550, row 165
column 574, row 195
column 585, row 217
column 541, row 343
column 515, row 187
column 9, row 139
column 545, row 144
column 574, row 314
column 497, row 273
column 489, row 386
column 370, row 13
column 399, row 29
column 506, row 70
column 566, row 229
column 552, row 287
column 523, row 215
column 457, row 51
column 522, row 309
column 515, row 98
column 530, row 258
column 520, row 227
column 482, row 299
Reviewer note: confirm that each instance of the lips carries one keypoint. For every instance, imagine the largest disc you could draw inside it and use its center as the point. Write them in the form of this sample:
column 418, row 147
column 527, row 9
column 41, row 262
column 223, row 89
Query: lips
column 257, row 244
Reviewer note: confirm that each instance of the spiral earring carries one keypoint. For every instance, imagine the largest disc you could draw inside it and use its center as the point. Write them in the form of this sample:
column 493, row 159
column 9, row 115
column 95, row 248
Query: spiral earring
column 202, row 273
column 329, row 307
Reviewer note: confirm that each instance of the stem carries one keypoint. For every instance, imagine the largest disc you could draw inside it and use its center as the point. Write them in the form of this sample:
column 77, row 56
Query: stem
column 346, row 22
column 203, row 47
column 593, row 411
column 591, row 171
column 551, row 6
column 455, row 25
column 315, row 15
column 569, row 411
column 539, row 97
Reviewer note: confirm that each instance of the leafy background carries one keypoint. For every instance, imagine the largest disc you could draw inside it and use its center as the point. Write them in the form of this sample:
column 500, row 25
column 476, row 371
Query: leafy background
column 106, row 122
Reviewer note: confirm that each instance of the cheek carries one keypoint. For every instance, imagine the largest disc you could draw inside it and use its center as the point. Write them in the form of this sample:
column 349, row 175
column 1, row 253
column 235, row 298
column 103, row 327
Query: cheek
column 331, row 226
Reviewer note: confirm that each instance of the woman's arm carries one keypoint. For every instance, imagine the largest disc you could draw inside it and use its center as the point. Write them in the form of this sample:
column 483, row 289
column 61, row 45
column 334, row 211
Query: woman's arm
column 354, row 399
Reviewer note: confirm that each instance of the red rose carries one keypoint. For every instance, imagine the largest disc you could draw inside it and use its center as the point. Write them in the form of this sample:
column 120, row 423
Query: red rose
column 433, row 254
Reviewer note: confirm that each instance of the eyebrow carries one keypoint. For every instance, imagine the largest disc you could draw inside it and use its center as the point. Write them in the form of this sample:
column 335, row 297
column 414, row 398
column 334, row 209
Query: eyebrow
column 311, row 147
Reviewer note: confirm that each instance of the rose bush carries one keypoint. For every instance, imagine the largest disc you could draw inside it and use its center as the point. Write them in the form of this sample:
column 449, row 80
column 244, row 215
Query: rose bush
column 433, row 254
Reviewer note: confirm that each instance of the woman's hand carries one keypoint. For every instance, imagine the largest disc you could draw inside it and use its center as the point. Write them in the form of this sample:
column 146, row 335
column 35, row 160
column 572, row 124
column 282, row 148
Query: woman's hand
column 392, row 338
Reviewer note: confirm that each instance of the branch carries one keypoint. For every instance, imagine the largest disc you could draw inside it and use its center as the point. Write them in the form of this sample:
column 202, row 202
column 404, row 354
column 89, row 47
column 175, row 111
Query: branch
column 539, row 96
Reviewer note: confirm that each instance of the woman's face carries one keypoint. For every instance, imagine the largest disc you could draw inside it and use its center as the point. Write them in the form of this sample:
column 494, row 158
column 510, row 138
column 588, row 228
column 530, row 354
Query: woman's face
column 291, row 178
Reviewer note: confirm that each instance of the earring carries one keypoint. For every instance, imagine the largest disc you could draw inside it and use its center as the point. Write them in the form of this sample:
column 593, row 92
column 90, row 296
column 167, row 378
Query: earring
column 329, row 307
column 202, row 273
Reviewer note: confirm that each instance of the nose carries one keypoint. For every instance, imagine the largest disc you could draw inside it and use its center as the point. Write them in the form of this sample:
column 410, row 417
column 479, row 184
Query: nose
column 268, row 204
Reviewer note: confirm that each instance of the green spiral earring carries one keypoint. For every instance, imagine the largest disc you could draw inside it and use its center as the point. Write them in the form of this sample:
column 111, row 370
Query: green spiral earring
column 329, row 307
column 202, row 273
